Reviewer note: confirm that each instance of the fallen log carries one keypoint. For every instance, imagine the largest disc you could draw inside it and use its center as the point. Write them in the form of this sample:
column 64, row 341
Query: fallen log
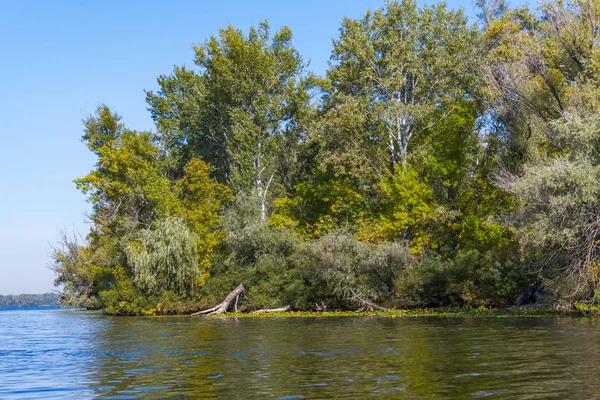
column 366, row 302
column 269, row 310
column 223, row 306
column 374, row 306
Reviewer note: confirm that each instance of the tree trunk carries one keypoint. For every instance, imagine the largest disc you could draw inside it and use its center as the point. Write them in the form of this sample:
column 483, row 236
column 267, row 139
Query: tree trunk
column 268, row 310
column 392, row 152
column 374, row 306
column 366, row 302
column 222, row 307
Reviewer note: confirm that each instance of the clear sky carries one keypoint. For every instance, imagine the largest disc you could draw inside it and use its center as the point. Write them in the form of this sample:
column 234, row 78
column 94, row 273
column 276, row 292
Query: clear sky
column 60, row 59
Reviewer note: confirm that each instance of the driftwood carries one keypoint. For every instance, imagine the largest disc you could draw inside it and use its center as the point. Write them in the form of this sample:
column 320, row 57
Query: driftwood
column 238, row 293
column 268, row 310
column 374, row 306
column 222, row 307
column 564, row 307
column 366, row 302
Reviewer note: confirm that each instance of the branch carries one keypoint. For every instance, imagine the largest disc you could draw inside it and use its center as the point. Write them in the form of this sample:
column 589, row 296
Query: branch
column 271, row 310
column 223, row 306
column 369, row 303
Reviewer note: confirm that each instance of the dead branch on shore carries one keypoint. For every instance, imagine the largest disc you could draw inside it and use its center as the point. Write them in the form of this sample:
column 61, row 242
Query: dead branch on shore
column 222, row 307
column 271, row 310
column 366, row 302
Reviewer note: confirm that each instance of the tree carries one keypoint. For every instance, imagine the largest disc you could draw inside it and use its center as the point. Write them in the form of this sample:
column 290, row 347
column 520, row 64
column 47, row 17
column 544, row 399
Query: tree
column 490, row 10
column 545, row 69
column 165, row 257
column 77, row 271
column 404, row 62
column 190, row 123
column 358, row 272
column 127, row 188
column 559, row 221
column 325, row 202
column 150, row 234
column 240, row 108
column 533, row 68
column 203, row 202
column 409, row 208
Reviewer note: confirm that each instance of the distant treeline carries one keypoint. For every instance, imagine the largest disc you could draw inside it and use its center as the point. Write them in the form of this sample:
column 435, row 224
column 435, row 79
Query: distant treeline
column 30, row 300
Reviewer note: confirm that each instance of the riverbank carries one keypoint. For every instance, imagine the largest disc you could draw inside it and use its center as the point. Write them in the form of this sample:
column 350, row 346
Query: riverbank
column 579, row 310
column 532, row 310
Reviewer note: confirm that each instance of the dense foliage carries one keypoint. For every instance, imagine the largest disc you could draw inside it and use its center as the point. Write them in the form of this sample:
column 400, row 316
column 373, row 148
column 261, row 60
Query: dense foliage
column 437, row 163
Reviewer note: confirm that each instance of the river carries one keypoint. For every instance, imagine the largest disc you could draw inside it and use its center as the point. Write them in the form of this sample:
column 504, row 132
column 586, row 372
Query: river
column 58, row 354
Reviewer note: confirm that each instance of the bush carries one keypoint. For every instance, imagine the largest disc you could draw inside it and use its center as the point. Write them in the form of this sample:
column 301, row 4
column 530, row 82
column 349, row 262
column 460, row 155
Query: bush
column 260, row 257
column 472, row 278
column 354, row 271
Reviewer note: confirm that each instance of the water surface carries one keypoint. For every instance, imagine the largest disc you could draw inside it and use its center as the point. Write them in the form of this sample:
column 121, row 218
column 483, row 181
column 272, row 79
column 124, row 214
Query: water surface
column 57, row 354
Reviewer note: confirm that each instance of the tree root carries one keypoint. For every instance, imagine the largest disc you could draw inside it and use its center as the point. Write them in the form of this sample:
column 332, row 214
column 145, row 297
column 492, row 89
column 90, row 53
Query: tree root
column 222, row 307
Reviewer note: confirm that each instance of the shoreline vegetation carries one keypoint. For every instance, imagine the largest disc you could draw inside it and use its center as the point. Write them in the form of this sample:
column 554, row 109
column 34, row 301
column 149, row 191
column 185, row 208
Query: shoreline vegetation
column 438, row 162
column 577, row 310
column 426, row 312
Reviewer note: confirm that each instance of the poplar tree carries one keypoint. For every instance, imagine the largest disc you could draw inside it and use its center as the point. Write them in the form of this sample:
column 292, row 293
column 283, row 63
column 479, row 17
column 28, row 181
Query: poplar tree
column 243, row 101
column 404, row 62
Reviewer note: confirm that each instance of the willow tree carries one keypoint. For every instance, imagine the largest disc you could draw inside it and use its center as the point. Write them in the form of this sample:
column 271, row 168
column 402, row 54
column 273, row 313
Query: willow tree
column 559, row 218
column 404, row 62
column 547, row 67
column 165, row 257
column 534, row 66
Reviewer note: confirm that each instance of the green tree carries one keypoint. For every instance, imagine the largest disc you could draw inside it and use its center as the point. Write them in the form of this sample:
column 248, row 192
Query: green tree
column 559, row 218
column 356, row 272
column 534, row 67
column 78, row 273
column 151, row 234
column 544, row 69
column 243, row 102
column 409, row 208
column 405, row 62
column 203, row 202
column 165, row 257
column 323, row 203
column 189, row 122
column 128, row 188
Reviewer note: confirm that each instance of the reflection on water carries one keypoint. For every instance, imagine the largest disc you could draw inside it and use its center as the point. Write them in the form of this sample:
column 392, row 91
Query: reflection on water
column 53, row 354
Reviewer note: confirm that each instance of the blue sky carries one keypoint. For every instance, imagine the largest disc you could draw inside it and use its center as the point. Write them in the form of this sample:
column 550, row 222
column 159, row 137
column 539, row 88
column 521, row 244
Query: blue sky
column 60, row 59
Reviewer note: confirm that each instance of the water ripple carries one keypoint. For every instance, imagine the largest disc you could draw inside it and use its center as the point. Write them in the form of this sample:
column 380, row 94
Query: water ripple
column 54, row 354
